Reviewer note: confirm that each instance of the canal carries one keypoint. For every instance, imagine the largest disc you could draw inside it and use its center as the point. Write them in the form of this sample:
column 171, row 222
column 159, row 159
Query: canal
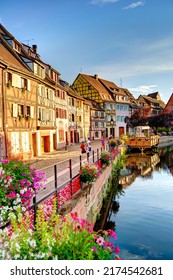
column 141, row 212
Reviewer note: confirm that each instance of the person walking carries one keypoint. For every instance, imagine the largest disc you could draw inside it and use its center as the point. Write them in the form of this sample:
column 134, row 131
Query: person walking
column 103, row 143
column 88, row 149
column 82, row 146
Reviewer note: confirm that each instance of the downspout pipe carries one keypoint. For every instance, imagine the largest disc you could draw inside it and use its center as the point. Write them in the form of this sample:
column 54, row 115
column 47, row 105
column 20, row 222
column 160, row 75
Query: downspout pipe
column 4, row 119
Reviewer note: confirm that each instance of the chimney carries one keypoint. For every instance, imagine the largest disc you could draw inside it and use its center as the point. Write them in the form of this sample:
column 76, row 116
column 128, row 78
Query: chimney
column 34, row 47
column 96, row 77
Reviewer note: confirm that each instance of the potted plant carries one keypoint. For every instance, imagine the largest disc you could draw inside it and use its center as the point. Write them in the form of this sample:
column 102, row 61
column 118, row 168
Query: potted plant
column 113, row 143
column 105, row 157
column 88, row 172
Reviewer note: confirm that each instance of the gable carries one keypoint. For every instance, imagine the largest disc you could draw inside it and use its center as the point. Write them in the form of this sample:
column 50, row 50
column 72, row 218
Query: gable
column 90, row 87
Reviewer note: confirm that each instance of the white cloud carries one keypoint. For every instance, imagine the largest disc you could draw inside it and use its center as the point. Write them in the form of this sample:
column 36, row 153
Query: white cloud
column 134, row 5
column 95, row 2
column 144, row 90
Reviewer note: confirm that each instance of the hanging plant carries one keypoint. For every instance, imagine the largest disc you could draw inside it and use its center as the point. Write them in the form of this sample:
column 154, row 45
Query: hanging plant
column 28, row 117
column 24, row 89
column 20, row 117
column 8, row 84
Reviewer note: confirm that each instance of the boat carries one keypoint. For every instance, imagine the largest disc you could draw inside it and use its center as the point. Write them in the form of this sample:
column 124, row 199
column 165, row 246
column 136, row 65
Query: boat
column 142, row 139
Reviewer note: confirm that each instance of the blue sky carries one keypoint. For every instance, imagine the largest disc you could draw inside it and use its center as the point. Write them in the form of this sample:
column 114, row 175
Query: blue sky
column 126, row 41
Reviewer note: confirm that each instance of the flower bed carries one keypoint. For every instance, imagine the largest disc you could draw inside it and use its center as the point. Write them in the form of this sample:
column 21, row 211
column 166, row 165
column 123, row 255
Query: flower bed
column 58, row 238
column 18, row 184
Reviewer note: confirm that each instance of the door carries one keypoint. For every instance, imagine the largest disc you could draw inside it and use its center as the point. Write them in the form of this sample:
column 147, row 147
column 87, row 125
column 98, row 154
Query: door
column 34, row 145
column 121, row 130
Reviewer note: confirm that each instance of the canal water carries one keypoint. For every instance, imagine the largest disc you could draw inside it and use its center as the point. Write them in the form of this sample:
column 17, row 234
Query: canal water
column 142, row 212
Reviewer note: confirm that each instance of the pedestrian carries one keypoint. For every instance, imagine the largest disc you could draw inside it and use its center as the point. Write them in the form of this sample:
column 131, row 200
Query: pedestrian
column 109, row 139
column 103, row 143
column 82, row 146
column 88, row 149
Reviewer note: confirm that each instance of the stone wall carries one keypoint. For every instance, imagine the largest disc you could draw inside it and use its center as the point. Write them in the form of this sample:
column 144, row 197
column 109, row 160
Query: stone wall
column 89, row 203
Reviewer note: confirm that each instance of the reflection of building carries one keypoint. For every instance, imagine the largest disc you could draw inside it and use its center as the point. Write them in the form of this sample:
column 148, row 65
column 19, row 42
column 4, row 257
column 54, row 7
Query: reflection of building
column 138, row 165
column 143, row 162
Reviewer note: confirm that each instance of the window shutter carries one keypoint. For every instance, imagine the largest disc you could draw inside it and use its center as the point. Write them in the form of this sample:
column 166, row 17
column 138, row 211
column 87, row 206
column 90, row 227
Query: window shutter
column 35, row 68
column 44, row 114
column 28, row 85
column 32, row 112
column 39, row 89
column 14, row 80
column 15, row 110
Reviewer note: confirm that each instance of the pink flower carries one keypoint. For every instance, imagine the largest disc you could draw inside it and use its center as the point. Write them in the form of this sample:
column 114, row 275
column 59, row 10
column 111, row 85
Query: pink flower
column 100, row 241
column 11, row 195
column 94, row 249
column 74, row 216
column 112, row 233
column 5, row 161
column 117, row 250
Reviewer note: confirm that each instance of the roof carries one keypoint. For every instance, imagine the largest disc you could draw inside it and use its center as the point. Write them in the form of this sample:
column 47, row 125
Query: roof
column 112, row 87
column 131, row 97
column 153, row 100
column 7, row 57
column 95, row 83
column 154, row 95
column 169, row 105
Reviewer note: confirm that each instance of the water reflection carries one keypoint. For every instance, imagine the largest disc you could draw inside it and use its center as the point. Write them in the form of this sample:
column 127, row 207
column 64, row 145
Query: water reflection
column 138, row 164
column 142, row 212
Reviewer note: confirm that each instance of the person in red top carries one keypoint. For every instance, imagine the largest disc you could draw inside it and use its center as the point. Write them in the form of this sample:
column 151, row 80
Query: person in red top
column 82, row 146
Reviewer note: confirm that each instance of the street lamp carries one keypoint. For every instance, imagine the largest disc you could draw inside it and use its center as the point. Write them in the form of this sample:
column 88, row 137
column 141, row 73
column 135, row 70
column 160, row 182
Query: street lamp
column 112, row 123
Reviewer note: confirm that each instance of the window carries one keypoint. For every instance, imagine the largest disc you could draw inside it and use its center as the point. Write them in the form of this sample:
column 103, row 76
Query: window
column 20, row 110
column 96, row 134
column 102, row 114
column 96, row 124
column 96, row 114
column 118, row 118
column 15, row 142
column 23, row 83
column 72, row 117
column 61, row 134
column 8, row 79
column 40, row 114
column 15, row 110
column 25, row 141
column 118, row 106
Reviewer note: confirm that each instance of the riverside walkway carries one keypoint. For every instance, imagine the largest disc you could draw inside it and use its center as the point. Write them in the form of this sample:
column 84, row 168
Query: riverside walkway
column 61, row 159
